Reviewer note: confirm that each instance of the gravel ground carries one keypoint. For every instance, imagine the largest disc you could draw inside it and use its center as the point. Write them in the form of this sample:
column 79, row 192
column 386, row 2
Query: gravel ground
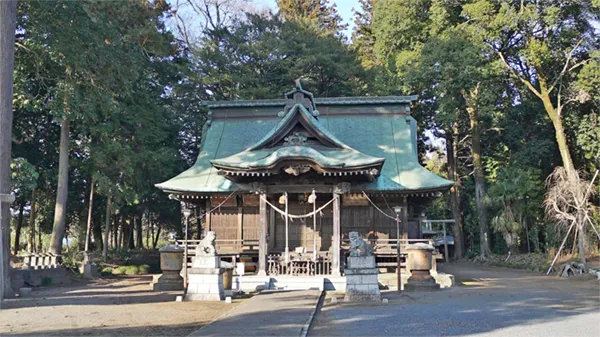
column 487, row 301
column 123, row 306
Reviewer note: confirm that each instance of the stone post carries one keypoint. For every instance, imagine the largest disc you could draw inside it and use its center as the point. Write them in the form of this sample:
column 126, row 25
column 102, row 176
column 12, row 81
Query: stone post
column 87, row 268
column 362, row 284
column 206, row 275
column 171, row 262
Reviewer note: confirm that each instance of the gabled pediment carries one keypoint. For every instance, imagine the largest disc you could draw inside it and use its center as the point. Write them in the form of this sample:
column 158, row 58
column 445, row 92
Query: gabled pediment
column 298, row 122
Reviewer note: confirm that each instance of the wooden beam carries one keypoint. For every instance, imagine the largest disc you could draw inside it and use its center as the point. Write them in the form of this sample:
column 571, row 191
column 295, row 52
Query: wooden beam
column 299, row 188
column 262, row 237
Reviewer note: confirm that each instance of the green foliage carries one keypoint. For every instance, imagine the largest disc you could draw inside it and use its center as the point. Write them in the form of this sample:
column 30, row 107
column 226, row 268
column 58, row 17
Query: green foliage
column 257, row 57
column 588, row 136
column 129, row 270
column 317, row 14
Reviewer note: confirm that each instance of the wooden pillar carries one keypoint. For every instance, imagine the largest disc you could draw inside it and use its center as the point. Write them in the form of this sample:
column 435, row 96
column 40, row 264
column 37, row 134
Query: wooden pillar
column 262, row 236
column 271, row 233
column 240, row 228
column 336, row 242
column 207, row 226
column 404, row 218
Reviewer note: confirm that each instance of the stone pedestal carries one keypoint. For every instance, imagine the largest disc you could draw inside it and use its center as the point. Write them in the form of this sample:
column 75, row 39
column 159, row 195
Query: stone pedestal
column 171, row 263
column 87, row 268
column 420, row 264
column 205, row 279
column 362, row 284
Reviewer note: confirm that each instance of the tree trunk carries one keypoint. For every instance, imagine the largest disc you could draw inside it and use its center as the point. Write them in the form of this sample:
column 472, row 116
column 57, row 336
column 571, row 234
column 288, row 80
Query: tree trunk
column 559, row 131
column 526, row 234
column 60, row 209
column 18, row 228
column 155, row 241
column 454, row 201
column 107, row 226
column 31, row 238
column 89, row 217
column 581, row 243
column 8, row 17
column 152, row 228
column 115, row 233
column 148, row 224
column 139, row 235
column 478, row 172
column 130, row 230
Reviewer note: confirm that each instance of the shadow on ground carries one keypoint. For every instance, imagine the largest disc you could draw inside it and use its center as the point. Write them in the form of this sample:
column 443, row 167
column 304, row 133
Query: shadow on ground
column 492, row 302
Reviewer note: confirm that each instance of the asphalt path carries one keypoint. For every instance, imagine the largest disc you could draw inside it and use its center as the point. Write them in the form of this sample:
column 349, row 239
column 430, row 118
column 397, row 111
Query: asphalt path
column 485, row 302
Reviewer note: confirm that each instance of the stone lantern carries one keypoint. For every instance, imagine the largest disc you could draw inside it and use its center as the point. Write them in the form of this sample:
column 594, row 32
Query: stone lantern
column 171, row 262
column 419, row 263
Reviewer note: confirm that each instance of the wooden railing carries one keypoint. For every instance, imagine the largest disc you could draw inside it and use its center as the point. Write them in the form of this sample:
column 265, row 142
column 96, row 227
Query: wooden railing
column 388, row 246
column 299, row 265
column 224, row 247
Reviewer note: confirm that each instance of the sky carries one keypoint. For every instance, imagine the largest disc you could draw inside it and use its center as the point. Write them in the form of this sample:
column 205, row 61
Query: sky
column 344, row 8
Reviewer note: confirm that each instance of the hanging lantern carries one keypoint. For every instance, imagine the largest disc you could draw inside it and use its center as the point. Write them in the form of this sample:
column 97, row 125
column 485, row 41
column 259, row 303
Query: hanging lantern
column 282, row 199
column 312, row 198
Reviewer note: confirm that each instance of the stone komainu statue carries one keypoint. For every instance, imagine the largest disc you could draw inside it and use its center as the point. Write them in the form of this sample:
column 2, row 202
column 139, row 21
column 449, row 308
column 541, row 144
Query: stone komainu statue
column 358, row 246
column 206, row 247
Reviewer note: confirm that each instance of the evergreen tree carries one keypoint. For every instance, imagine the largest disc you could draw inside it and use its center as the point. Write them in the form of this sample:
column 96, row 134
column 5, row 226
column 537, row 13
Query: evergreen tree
column 315, row 13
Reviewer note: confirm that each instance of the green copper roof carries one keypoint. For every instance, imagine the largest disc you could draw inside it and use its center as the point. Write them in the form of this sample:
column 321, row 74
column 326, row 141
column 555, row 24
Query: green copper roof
column 364, row 100
column 330, row 153
column 326, row 158
column 389, row 136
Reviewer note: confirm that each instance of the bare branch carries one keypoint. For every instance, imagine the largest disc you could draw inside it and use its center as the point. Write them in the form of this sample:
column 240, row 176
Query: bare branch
column 525, row 81
column 565, row 67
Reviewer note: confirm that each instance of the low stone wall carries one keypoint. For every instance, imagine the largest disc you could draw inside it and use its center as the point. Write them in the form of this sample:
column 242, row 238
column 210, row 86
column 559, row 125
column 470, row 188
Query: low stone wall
column 39, row 277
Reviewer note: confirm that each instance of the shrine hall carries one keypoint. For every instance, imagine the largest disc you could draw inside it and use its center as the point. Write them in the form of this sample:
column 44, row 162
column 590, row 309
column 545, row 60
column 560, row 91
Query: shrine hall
column 282, row 182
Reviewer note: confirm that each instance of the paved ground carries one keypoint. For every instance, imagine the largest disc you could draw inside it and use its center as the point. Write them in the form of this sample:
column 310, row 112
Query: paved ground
column 270, row 313
column 488, row 302
column 124, row 306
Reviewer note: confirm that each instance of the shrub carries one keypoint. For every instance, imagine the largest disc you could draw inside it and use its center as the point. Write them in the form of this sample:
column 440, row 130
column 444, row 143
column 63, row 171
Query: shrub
column 107, row 270
column 131, row 270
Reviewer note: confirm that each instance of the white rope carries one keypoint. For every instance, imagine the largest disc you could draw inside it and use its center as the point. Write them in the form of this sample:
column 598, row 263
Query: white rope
column 294, row 216
column 377, row 208
column 219, row 205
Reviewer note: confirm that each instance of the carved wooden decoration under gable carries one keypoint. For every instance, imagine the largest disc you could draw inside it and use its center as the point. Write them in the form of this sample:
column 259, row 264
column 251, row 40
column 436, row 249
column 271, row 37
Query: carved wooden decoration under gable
column 294, row 139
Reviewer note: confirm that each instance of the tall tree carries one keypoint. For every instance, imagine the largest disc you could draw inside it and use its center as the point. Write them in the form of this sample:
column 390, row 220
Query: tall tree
column 316, row 13
column 363, row 38
column 543, row 45
column 103, row 40
column 8, row 15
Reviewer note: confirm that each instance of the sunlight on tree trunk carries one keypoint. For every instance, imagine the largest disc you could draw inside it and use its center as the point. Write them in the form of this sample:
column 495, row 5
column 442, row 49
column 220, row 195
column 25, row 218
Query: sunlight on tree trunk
column 454, row 200
column 31, row 238
column 89, row 216
column 107, row 226
column 478, row 172
column 62, row 193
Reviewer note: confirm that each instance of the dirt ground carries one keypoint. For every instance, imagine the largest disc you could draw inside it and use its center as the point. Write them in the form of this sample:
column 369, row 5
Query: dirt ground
column 123, row 306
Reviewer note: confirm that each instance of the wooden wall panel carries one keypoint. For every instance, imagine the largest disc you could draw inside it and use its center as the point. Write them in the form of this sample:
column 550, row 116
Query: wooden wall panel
column 224, row 222
column 250, row 221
